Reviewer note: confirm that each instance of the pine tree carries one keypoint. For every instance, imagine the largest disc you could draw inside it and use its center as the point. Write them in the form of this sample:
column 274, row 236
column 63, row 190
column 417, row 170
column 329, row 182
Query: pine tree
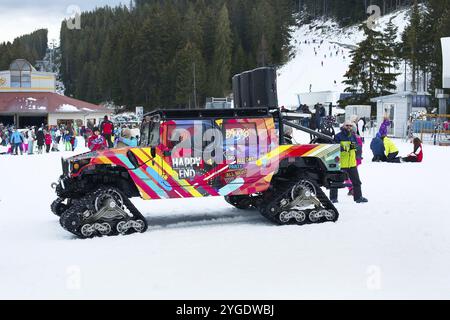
column 189, row 62
column 392, row 47
column 135, row 49
column 262, row 30
column 221, row 64
column 411, row 47
column 368, row 74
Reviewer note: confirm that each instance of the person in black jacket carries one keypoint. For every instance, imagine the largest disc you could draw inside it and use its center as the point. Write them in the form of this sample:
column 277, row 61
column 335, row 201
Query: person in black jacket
column 40, row 138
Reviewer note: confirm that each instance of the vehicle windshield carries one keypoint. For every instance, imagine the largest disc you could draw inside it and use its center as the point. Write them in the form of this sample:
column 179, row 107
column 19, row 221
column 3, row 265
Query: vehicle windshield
column 150, row 131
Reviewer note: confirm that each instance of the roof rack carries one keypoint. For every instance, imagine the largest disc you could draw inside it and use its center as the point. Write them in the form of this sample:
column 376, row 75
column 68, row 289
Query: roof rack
column 180, row 114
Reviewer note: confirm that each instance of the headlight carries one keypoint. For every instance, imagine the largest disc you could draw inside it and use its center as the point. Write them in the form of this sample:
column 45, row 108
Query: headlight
column 78, row 165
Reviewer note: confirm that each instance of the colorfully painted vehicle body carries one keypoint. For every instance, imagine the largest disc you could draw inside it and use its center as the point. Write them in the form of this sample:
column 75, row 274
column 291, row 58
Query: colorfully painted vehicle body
column 237, row 154
column 246, row 168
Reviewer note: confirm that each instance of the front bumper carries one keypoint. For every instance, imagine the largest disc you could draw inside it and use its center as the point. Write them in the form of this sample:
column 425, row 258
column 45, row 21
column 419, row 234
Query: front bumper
column 64, row 187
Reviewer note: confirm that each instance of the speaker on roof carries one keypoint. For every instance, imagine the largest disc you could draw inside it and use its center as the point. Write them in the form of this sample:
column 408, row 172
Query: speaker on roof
column 263, row 88
column 245, row 94
column 237, row 91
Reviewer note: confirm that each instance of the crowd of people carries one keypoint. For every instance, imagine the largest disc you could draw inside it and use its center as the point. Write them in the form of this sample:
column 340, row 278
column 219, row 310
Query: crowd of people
column 46, row 139
column 37, row 139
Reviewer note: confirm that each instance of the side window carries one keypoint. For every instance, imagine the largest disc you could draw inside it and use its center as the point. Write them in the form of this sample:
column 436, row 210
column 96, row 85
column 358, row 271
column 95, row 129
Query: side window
column 180, row 137
column 185, row 143
column 188, row 136
column 150, row 133
column 241, row 142
column 154, row 134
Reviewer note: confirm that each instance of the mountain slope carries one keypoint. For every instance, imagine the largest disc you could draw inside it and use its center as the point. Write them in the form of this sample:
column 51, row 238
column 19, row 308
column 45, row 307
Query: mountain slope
column 328, row 43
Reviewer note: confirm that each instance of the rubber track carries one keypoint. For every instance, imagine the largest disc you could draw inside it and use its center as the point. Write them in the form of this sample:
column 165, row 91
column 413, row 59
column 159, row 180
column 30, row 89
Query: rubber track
column 71, row 220
column 283, row 193
column 58, row 207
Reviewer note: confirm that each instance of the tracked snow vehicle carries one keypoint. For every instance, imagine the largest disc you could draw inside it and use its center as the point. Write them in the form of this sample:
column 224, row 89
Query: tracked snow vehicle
column 239, row 154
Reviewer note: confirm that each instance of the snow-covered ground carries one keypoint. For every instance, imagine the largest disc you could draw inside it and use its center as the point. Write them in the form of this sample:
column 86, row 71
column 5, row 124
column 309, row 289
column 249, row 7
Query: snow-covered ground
column 396, row 246
column 305, row 70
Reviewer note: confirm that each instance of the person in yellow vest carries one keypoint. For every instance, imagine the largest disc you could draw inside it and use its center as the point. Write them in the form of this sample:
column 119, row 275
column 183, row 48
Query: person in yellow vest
column 390, row 150
column 347, row 139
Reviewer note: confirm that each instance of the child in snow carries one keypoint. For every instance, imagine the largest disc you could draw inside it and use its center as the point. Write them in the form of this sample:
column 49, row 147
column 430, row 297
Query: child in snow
column 417, row 154
column 67, row 139
column 97, row 142
column 48, row 141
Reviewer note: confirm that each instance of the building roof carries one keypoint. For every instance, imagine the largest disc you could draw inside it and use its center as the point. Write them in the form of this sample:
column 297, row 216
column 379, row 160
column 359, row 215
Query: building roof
column 402, row 94
column 44, row 102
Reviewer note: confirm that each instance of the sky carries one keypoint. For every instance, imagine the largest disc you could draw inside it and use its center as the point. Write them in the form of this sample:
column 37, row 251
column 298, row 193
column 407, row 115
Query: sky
column 21, row 17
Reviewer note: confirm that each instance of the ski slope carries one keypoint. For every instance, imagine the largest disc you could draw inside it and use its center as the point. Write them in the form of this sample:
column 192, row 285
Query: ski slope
column 305, row 70
column 396, row 246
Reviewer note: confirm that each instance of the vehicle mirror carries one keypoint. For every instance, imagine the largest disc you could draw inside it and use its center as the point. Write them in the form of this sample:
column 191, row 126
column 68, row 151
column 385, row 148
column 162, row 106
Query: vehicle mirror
column 132, row 158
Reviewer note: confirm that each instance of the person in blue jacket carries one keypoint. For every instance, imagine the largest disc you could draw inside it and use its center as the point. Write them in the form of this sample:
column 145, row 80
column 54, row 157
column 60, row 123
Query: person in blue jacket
column 16, row 142
column 377, row 146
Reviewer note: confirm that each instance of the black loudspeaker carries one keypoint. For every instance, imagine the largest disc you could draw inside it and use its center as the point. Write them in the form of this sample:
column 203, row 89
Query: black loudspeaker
column 256, row 88
column 245, row 90
column 263, row 88
column 237, row 91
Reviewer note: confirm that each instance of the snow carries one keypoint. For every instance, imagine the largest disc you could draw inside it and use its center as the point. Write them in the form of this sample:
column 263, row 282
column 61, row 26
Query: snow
column 396, row 246
column 306, row 69
column 67, row 108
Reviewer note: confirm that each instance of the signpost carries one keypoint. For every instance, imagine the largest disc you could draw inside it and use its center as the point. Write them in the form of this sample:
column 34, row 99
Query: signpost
column 140, row 113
